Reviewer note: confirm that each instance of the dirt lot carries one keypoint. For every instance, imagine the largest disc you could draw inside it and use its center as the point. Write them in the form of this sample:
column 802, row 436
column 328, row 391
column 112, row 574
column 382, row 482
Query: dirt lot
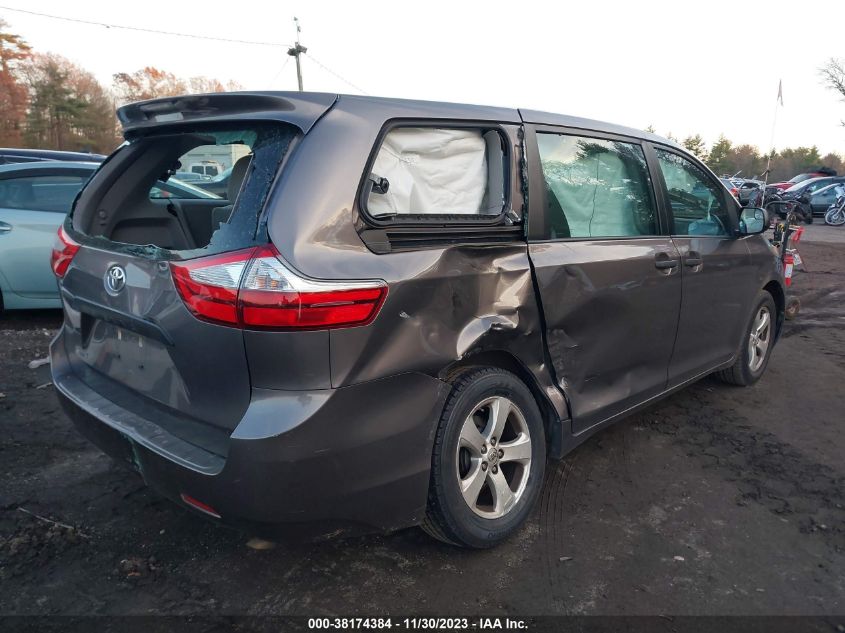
column 718, row 500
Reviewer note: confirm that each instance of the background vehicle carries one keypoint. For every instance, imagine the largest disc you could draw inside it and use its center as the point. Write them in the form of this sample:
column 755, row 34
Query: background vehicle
column 191, row 177
column 218, row 185
column 730, row 186
column 34, row 200
column 750, row 191
column 370, row 336
column 806, row 191
column 206, row 168
column 822, row 198
column 10, row 155
column 816, row 173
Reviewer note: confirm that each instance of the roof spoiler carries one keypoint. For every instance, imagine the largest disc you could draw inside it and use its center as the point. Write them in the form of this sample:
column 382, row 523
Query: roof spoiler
column 300, row 109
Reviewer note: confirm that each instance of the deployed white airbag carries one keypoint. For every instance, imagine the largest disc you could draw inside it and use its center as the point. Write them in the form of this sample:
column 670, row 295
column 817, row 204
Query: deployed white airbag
column 594, row 200
column 430, row 171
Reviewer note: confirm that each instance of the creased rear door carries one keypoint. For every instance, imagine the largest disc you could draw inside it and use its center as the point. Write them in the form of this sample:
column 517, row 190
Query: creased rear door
column 609, row 279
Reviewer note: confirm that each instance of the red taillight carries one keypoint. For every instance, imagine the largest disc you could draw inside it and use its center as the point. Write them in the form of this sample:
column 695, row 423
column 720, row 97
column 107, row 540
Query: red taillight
column 209, row 285
column 64, row 248
column 735, row 192
column 254, row 289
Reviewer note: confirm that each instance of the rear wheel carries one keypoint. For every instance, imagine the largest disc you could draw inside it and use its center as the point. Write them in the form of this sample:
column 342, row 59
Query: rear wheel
column 756, row 345
column 488, row 461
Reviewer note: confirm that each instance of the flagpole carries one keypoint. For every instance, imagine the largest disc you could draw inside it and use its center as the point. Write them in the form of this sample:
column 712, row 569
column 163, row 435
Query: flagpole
column 778, row 101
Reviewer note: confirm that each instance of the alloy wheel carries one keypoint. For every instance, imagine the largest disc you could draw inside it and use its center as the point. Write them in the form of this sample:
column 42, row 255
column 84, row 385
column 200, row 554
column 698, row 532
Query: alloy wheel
column 493, row 457
column 759, row 338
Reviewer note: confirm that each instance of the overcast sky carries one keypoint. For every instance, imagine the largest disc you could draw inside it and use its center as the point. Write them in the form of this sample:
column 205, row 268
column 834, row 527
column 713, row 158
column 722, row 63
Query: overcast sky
column 707, row 67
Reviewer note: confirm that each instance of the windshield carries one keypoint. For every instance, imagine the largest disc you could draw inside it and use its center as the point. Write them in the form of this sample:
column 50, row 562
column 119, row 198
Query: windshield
column 830, row 189
column 795, row 188
column 811, row 184
column 799, row 178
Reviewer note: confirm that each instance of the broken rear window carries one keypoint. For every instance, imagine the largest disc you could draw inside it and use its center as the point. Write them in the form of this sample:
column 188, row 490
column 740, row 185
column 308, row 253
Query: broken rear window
column 137, row 197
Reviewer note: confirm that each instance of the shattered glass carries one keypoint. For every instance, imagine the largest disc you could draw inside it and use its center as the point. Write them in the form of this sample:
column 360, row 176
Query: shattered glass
column 246, row 226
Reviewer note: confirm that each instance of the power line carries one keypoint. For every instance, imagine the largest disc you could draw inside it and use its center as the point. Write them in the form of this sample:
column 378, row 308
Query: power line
column 143, row 30
column 279, row 72
column 187, row 35
column 329, row 70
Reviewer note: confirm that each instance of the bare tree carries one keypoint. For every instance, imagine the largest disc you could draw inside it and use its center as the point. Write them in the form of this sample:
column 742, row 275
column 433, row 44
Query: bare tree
column 833, row 75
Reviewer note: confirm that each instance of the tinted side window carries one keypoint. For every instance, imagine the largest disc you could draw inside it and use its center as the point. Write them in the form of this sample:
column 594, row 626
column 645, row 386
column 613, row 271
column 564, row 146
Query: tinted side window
column 817, row 185
column 596, row 188
column 40, row 193
column 438, row 171
column 697, row 203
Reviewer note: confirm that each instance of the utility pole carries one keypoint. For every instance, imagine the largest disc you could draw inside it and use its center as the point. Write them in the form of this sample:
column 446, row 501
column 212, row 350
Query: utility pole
column 296, row 51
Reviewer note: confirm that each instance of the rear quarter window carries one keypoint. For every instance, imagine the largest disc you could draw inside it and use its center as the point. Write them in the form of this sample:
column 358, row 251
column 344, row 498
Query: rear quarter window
column 423, row 172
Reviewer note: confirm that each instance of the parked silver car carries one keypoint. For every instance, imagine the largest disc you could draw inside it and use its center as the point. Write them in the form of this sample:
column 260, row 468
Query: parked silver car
column 34, row 200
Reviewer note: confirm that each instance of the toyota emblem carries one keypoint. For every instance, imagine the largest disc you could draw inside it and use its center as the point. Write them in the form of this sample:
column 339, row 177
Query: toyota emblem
column 115, row 279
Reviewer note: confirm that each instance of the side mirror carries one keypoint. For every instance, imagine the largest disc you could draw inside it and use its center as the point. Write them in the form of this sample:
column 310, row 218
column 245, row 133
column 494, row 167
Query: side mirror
column 753, row 220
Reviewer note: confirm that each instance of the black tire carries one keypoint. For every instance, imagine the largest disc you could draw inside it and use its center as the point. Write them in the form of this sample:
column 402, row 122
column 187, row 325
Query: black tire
column 741, row 373
column 449, row 517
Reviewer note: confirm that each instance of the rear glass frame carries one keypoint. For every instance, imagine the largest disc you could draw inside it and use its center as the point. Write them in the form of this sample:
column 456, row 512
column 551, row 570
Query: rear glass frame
column 432, row 219
column 287, row 135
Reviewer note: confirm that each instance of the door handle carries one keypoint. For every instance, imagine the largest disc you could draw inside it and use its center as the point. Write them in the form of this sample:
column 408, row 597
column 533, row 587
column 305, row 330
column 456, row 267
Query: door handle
column 5, row 228
column 693, row 259
column 662, row 261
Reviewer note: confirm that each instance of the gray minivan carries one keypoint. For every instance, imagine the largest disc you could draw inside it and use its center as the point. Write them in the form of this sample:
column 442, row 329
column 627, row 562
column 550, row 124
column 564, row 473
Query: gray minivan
column 400, row 311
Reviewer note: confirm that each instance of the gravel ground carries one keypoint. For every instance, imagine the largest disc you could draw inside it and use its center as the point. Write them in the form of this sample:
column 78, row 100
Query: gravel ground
column 718, row 500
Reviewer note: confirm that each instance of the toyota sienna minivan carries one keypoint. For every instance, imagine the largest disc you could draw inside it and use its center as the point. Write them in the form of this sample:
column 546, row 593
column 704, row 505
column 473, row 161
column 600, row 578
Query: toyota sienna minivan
column 401, row 309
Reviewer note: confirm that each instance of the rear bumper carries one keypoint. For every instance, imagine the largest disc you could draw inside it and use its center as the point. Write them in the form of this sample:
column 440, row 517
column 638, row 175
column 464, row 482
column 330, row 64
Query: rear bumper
column 322, row 462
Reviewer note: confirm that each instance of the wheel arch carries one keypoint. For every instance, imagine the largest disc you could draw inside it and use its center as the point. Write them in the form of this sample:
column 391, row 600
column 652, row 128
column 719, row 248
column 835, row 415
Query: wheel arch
column 775, row 288
column 502, row 359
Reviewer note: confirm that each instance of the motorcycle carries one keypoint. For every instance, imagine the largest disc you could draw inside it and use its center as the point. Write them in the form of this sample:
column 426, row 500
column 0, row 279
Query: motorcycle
column 835, row 215
column 800, row 207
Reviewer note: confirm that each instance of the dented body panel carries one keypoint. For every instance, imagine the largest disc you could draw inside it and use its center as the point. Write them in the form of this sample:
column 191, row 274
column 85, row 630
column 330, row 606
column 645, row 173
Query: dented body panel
column 611, row 318
column 445, row 303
